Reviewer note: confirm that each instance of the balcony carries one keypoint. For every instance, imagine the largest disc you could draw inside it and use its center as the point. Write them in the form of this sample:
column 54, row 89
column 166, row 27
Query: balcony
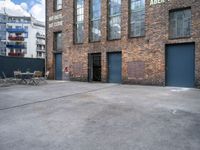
column 14, row 30
column 16, row 54
column 40, row 42
column 40, row 36
column 16, row 38
column 16, row 46
column 17, row 21
column 40, row 50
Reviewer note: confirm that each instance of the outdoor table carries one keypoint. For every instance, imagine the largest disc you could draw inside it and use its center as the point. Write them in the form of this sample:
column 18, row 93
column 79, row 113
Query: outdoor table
column 25, row 76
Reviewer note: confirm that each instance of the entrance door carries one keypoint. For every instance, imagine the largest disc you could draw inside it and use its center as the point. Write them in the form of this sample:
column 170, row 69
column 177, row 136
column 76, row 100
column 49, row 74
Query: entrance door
column 114, row 67
column 94, row 67
column 180, row 65
column 58, row 66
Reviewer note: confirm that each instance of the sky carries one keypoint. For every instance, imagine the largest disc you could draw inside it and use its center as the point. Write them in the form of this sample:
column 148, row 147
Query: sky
column 24, row 8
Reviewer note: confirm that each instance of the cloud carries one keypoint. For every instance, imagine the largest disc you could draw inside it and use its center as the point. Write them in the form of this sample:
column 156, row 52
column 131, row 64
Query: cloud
column 24, row 6
column 38, row 10
column 13, row 9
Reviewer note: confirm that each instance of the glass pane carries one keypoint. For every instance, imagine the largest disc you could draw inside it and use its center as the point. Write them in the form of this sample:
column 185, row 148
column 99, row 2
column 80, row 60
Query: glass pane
column 95, row 31
column 58, row 4
column 114, row 19
column 95, row 18
column 115, row 7
column 59, row 41
column 180, row 23
column 79, row 20
column 115, row 27
column 79, row 34
column 137, row 18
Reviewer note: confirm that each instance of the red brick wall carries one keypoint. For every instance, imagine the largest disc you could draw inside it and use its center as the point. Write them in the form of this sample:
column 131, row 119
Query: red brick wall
column 148, row 50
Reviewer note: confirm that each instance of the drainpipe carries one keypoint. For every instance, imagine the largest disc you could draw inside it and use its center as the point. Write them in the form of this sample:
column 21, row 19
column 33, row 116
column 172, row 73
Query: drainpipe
column 46, row 36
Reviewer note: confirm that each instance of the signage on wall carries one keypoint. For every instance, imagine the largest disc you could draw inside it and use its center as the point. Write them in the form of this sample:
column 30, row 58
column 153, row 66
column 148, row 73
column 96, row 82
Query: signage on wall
column 55, row 24
column 55, row 21
column 55, row 17
column 154, row 2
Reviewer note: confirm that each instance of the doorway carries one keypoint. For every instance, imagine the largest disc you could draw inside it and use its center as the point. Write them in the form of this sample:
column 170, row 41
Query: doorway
column 94, row 67
column 180, row 65
column 58, row 66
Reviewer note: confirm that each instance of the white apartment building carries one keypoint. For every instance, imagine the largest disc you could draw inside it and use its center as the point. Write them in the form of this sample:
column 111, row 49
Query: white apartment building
column 25, row 37
column 21, row 35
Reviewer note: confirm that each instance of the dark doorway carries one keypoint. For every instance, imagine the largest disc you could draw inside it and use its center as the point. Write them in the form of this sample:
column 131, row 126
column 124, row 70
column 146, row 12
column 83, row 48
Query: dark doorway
column 180, row 65
column 94, row 65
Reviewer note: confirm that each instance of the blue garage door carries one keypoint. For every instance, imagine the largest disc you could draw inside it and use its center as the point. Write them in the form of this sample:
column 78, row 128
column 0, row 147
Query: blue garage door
column 114, row 67
column 180, row 65
column 58, row 66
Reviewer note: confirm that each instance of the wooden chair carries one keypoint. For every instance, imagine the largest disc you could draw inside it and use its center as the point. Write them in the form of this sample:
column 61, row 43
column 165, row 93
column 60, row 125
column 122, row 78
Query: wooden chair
column 44, row 79
column 17, row 76
column 36, row 78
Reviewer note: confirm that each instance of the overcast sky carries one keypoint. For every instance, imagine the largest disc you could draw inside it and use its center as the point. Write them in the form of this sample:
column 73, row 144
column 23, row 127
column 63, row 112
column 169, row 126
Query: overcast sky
column 24, row 7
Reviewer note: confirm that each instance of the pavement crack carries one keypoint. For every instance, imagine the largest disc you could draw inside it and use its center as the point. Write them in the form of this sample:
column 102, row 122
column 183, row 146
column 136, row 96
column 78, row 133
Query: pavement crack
column 56, row 98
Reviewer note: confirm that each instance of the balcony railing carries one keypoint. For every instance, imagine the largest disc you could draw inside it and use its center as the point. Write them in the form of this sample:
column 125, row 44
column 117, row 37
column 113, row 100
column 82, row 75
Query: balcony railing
column 16, row 46
column 16, row 21
column 40, row 50
column 39, row 42
column 12, row 38
column 16, row 54
column 40, row 36
column 14, row 30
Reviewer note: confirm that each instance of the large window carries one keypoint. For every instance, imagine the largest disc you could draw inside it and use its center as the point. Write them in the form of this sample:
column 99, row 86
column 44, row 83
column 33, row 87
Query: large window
column 137, row 18
column 95, row 20
column 114, row 16
column 79, row 21
column 180, row 23
column 57, row 5
column 57, row 41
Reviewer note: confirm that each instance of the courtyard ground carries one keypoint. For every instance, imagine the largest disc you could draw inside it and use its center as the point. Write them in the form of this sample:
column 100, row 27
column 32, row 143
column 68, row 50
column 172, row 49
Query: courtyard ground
column 97, row 116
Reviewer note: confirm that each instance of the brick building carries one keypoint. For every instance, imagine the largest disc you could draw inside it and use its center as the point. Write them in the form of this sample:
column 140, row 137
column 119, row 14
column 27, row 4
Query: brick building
column 151, row 42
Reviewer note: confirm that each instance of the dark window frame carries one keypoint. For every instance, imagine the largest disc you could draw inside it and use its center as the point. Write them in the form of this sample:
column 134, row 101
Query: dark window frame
column 129, row 21
column 169, row 25
column 55, row 6
column 108, row 22
column 75, row 22
column 91, row 21
column 55, row 41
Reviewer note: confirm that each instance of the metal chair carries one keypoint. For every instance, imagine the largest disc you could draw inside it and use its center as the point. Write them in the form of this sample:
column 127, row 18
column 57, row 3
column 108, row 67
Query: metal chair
column 6, row 79
column 2, row 81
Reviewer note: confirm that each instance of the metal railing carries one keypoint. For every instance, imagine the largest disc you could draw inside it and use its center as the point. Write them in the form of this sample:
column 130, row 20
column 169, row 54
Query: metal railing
column 16, row 38
column 14, row 30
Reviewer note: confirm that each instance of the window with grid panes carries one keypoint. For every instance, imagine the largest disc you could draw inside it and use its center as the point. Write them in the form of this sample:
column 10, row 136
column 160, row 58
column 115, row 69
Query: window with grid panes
column 95, row 20
column 114, row 17
column 79, row 21
column 137, row 18
column 180, row 23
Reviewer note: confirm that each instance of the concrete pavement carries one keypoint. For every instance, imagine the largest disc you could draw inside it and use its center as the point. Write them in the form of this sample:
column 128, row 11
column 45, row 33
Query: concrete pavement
column 96, row 116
